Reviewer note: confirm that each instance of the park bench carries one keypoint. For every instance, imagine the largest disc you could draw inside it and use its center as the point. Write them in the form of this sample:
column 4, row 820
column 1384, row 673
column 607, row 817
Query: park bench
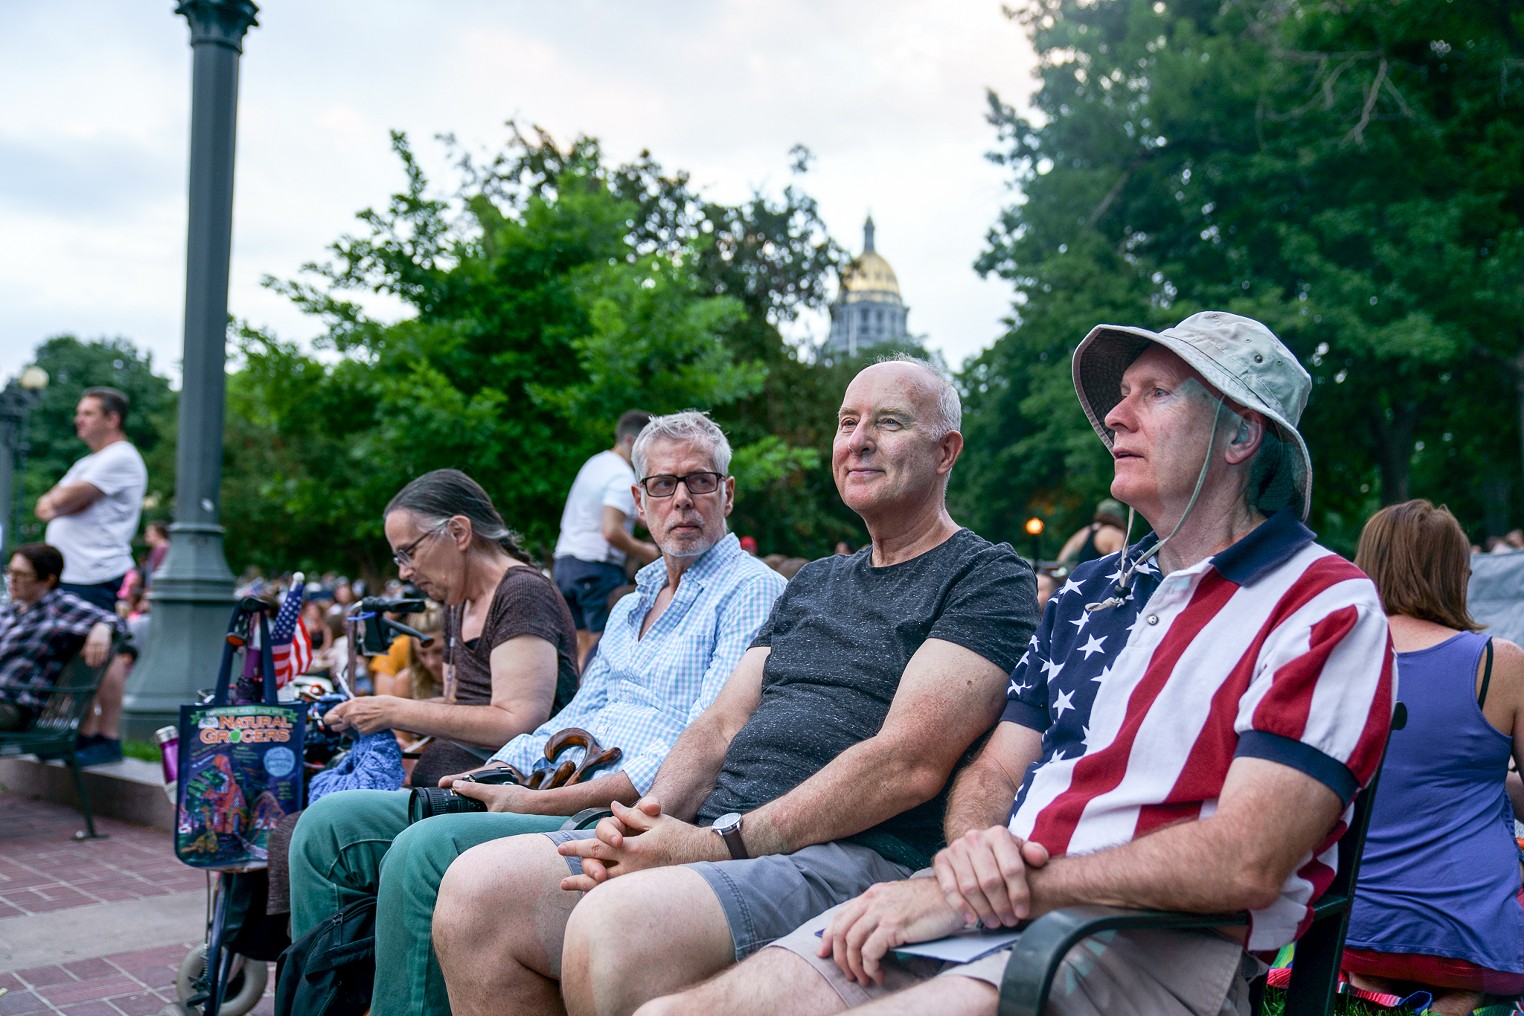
column 55, row 734
column 1038, row 954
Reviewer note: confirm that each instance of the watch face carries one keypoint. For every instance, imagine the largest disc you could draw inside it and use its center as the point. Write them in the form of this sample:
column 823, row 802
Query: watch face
column 725, row 823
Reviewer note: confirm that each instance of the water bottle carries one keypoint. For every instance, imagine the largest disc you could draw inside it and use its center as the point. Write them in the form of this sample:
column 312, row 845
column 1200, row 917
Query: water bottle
column 168, row 739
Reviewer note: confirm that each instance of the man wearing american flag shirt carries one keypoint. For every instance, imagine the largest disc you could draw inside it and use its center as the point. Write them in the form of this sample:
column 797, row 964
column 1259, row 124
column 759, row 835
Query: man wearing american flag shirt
column 1186, row 731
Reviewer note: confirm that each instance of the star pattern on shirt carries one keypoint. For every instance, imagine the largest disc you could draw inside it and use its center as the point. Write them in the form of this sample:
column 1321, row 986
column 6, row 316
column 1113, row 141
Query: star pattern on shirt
column 1067, row 665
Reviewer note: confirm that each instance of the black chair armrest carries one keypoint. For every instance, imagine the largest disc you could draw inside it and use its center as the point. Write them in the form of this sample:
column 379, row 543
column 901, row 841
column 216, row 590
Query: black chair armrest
column 1041, row 949
column 586, row 818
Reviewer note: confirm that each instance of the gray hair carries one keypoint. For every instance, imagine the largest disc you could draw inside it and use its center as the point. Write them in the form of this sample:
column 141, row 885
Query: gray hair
column 949, row 404
column 437, row 496
column 691, row 425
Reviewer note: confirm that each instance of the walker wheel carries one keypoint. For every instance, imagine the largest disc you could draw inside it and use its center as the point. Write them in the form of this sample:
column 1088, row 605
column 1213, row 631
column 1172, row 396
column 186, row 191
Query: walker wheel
column 245, row 986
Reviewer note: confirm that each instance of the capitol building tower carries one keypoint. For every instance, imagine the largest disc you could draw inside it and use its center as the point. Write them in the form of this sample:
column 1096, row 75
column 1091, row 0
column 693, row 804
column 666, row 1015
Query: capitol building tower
column 869, row 311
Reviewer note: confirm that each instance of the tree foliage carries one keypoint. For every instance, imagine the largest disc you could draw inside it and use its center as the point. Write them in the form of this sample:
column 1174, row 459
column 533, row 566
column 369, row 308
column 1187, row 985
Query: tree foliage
column 1348, row 173
column 52, row 446
column 550, row 293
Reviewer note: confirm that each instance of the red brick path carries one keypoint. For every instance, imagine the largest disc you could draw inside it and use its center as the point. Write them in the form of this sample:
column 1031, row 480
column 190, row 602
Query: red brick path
column 43, row 870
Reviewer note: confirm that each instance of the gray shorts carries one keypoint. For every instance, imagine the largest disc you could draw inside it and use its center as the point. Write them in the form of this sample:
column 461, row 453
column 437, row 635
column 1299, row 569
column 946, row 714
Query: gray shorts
column 765, row 898
column 1144, row 972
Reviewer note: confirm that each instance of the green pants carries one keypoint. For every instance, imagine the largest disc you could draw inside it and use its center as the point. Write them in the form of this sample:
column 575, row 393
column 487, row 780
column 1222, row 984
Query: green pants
column 358, row 843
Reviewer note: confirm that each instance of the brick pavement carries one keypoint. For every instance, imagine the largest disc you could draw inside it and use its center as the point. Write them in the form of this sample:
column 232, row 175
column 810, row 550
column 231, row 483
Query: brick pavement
column 112, row 912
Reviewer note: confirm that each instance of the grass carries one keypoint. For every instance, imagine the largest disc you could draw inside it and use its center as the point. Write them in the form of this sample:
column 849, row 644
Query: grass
column 1275, row 1005
column 145, row 750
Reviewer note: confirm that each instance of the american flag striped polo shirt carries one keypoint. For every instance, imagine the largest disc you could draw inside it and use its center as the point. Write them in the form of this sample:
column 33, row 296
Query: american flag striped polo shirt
column 1275, row 648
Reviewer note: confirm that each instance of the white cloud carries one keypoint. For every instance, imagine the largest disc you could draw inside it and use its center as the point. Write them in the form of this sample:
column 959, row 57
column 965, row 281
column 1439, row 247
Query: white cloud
column 888, row 95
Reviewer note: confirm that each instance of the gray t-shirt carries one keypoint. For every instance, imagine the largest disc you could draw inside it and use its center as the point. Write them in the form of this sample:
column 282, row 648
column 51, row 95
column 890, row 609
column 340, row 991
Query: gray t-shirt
column 841, row 636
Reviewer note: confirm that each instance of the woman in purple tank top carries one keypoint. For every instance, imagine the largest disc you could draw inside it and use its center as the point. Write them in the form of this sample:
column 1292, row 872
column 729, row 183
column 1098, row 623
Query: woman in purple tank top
column 1438, row 904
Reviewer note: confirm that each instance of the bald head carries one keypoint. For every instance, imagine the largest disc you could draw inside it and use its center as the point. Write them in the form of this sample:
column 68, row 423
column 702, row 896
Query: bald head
column 948, row 413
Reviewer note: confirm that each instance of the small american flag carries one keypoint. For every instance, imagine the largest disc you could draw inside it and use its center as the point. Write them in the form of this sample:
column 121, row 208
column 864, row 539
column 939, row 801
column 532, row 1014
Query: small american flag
column 289, row 643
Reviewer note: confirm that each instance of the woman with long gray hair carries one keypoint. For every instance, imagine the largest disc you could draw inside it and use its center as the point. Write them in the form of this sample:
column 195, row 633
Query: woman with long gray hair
column 510, row 647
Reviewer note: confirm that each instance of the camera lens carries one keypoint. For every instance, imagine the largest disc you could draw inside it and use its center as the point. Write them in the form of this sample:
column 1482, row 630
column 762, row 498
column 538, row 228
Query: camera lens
column 426, row 802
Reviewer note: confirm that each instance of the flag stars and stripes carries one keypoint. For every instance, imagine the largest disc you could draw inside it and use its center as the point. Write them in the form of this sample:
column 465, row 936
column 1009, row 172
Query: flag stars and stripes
column 290, row 646
column 1093, row 646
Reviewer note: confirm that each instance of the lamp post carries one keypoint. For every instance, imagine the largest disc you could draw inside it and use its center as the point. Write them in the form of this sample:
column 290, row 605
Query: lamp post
column 193, row 589
column 16, row 402
column 1034, row 529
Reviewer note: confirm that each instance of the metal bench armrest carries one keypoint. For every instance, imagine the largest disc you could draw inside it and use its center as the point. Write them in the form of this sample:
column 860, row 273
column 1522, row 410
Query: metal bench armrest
column 586, row 818
column 1038, row 953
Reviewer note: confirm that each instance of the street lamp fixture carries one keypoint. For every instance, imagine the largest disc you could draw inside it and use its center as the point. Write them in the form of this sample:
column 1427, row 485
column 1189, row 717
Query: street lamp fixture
column 1034, row 530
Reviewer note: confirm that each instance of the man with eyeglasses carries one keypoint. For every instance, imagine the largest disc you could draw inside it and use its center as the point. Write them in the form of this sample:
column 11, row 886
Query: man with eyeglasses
column 666, row 652
column 598, row 533
column 41, row 629
column 819, row 770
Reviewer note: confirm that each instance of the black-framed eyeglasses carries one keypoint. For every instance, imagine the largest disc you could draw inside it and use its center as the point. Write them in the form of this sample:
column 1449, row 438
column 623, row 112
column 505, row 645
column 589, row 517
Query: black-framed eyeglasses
column 665, row 484
column 403, row 556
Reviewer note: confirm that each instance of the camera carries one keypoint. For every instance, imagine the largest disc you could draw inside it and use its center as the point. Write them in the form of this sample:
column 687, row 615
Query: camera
column 426, row 802
column 377, row 630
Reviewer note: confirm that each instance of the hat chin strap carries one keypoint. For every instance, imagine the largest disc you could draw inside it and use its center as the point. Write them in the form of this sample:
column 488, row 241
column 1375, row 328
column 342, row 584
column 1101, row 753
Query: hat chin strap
column 1130, row 569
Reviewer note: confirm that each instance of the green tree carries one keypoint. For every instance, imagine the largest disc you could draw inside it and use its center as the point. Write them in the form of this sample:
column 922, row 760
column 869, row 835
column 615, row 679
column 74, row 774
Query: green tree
column 74, row 366
column 547, row 296
column 1329, row 169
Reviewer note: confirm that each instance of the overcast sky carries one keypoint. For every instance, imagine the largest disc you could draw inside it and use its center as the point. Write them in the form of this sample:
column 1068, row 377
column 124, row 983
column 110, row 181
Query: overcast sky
column 94, row 135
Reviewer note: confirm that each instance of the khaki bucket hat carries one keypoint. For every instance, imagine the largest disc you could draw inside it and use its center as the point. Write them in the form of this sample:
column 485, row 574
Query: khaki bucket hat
column 1239, row 357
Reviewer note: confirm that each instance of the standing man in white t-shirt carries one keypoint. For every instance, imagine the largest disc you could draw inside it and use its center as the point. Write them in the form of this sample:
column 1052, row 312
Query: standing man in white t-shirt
column 598, row 533
column 92, row 516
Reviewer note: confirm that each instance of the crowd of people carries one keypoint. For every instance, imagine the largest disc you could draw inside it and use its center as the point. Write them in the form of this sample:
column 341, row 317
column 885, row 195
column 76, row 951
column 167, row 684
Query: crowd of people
column 822, row 764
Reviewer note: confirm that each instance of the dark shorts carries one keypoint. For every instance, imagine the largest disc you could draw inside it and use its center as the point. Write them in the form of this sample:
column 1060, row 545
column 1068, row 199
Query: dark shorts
column 765, row 898
column 101, row 594
column 587, row 586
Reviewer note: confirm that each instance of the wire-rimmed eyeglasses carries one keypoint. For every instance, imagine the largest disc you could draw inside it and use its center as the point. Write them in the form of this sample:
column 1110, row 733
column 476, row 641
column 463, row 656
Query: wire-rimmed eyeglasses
column 403, row 556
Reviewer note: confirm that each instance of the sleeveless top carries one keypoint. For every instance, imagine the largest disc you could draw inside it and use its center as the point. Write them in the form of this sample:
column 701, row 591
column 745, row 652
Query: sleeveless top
column 1089, row 551
column 1441, row 870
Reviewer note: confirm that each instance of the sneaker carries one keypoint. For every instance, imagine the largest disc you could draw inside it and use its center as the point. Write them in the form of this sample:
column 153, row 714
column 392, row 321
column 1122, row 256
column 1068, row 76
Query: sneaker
column 102, row 751
column 83, row 741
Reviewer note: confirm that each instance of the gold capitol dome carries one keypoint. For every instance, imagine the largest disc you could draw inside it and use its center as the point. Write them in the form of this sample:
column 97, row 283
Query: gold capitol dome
column 869, row 277
column 869, row 310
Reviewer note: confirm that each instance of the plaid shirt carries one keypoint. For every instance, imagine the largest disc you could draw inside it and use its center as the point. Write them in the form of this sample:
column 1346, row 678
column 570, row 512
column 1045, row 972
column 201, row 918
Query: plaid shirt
column 37, row 642
column 639, row 693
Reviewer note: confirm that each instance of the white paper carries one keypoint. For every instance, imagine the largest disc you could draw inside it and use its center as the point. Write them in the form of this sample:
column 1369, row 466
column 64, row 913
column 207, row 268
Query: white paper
column 964, row 947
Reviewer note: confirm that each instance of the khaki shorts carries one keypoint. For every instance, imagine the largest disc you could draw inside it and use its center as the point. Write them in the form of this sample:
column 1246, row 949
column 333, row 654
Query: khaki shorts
column 1149, row 971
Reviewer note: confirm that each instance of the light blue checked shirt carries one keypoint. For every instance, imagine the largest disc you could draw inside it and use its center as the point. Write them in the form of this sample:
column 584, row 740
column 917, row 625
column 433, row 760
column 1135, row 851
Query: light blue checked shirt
column 639, row 694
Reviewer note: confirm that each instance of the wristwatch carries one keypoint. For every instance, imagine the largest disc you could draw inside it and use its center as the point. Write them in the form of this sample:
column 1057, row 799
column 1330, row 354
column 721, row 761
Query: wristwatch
column 728, row 827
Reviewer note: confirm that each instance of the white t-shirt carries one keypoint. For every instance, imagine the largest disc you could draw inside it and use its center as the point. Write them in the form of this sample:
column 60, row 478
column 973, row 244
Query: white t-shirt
column 96, row 541
column 603, row 481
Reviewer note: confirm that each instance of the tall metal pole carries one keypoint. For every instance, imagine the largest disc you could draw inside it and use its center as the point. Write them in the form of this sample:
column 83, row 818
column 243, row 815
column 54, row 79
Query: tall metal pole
column 193, row 589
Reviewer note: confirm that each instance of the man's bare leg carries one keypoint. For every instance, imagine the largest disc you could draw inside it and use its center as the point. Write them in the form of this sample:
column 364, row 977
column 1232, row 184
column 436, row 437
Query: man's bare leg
column 773, row 982
column 946, row 996
column 498, row 927
column 105, row 717
column 647, row 934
